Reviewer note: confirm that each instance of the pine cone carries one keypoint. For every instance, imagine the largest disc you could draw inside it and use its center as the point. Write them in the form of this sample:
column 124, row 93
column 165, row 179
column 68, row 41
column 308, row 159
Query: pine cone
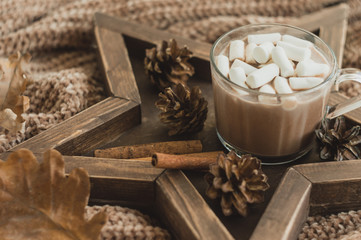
column 169, row 65
column 183, row 110
column 238, row 181
column 337, row 142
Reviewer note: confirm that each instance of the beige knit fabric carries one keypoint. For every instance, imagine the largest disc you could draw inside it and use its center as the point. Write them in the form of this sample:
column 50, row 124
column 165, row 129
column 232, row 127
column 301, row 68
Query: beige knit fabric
column 58, row 34
column 125, row 223
column 343, row 226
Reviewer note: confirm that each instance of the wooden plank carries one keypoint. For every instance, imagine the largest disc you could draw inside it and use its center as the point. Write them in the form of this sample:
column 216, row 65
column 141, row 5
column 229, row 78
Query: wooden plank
column 336, row 186
column 354, row 115
column 330, row 171
column 287, row 210
column 90, row 128
column 184, row 211
column 148, row 34
column 324, row 17
column 332, row 23
column 114, row 168
column 129, row 182
column 335, row 37
column 116, row 64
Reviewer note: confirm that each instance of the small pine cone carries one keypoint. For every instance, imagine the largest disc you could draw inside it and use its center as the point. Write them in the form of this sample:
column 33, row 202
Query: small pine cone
column 183, row 110
column 237, row 181
column 337, row 142
column 169, row 65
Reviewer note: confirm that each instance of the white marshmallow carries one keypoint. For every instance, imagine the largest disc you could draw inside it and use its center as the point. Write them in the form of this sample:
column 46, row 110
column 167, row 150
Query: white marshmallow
column 267, row 99
column 301, row 83
column 296, row 41
column 280, row 58
column 236, row 50
column 237, row 75
column 262, row 76
column 261, row 38
column 262, row 53
column 249, row 52
column 281, row 85
column 246, row 67
column 295, row 53
column 309, row 68
column 267, row 89
column 223, row 64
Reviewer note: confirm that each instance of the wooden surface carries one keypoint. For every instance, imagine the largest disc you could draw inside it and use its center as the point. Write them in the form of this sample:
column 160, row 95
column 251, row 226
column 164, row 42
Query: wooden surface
column 332, row 25
column 134, row 182
column 287, row 211
column 336, row 186
column 143, row 32
column 90, row 128
column 151, row 130
column 116, row 64
column 183, row 209
column 117, row 180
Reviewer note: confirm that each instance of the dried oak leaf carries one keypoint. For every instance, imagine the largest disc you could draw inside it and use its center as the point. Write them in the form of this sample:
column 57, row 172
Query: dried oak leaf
column 13, row 81
column 37, row 201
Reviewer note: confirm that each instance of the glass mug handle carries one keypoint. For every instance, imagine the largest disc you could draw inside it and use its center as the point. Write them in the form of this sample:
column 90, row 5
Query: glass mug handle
column 346, row 74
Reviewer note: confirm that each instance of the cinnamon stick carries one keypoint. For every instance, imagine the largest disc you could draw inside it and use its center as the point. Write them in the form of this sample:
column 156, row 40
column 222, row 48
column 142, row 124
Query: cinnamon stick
column 146, row 150
column 184, row 161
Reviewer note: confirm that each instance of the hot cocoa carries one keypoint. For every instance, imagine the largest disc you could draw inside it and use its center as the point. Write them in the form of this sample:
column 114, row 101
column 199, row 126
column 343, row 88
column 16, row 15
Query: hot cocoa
column 274, row 97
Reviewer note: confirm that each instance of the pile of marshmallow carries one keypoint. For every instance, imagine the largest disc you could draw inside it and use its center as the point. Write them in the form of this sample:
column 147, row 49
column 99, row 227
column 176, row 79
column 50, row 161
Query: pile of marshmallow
column 273, row 63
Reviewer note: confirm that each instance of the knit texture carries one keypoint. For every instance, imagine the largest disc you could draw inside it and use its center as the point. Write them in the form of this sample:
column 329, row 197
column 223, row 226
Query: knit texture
column 125, row 223
column 342, row 226
column 58, row 34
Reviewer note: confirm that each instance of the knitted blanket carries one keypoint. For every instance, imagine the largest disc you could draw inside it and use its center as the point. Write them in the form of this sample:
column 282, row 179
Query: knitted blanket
column 58, row 34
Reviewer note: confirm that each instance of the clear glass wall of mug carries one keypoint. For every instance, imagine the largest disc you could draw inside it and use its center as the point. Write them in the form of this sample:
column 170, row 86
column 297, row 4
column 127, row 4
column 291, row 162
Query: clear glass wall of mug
column 278, row 127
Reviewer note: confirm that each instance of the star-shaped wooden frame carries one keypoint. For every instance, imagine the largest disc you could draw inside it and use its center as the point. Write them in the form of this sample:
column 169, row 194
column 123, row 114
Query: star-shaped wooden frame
column 178, row 203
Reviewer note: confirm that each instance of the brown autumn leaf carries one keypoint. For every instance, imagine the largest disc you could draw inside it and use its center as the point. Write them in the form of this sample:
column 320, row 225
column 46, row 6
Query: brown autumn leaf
column 37, row 201
column 13, row 80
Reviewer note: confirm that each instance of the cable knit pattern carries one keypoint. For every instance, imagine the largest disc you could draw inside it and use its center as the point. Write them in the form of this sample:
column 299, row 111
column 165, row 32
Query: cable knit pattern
column 59, row 35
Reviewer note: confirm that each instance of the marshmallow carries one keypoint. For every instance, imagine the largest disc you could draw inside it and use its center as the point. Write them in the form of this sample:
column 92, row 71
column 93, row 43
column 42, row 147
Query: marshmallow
column 281, row 85
column 237, row 75
column 246, row 67
column 301, row 83
column 261, row 38
column 223, row 64
column 262, row 76
column 267, row 89
column 295, row 53
column 265, row 64
column 296, row 41
column 267, row 99
column 309, row 68
column 262, row 52
column 236, row 50
column 249, row 52
column 280, row 58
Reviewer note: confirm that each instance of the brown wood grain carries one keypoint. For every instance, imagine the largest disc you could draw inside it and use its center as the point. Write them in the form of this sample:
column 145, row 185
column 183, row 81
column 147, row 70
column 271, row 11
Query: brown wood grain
column 332, row 23
column 354, row 115
column 287, row 210
column 336, row 186
column 183, row 209
column 116, row 64
column 90, row 128
column 148, row 34
column 128, row 181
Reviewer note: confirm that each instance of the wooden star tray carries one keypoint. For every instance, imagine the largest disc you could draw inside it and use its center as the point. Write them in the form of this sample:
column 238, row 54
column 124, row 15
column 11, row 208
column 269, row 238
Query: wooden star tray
column 177, row 197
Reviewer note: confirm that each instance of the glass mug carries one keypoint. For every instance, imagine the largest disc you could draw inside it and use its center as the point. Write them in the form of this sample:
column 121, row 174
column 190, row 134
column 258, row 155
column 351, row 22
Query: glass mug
column 282, row 130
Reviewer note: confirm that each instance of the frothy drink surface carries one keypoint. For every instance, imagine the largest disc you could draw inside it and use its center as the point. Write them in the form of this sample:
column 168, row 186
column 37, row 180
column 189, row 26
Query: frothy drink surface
column 274, row 125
